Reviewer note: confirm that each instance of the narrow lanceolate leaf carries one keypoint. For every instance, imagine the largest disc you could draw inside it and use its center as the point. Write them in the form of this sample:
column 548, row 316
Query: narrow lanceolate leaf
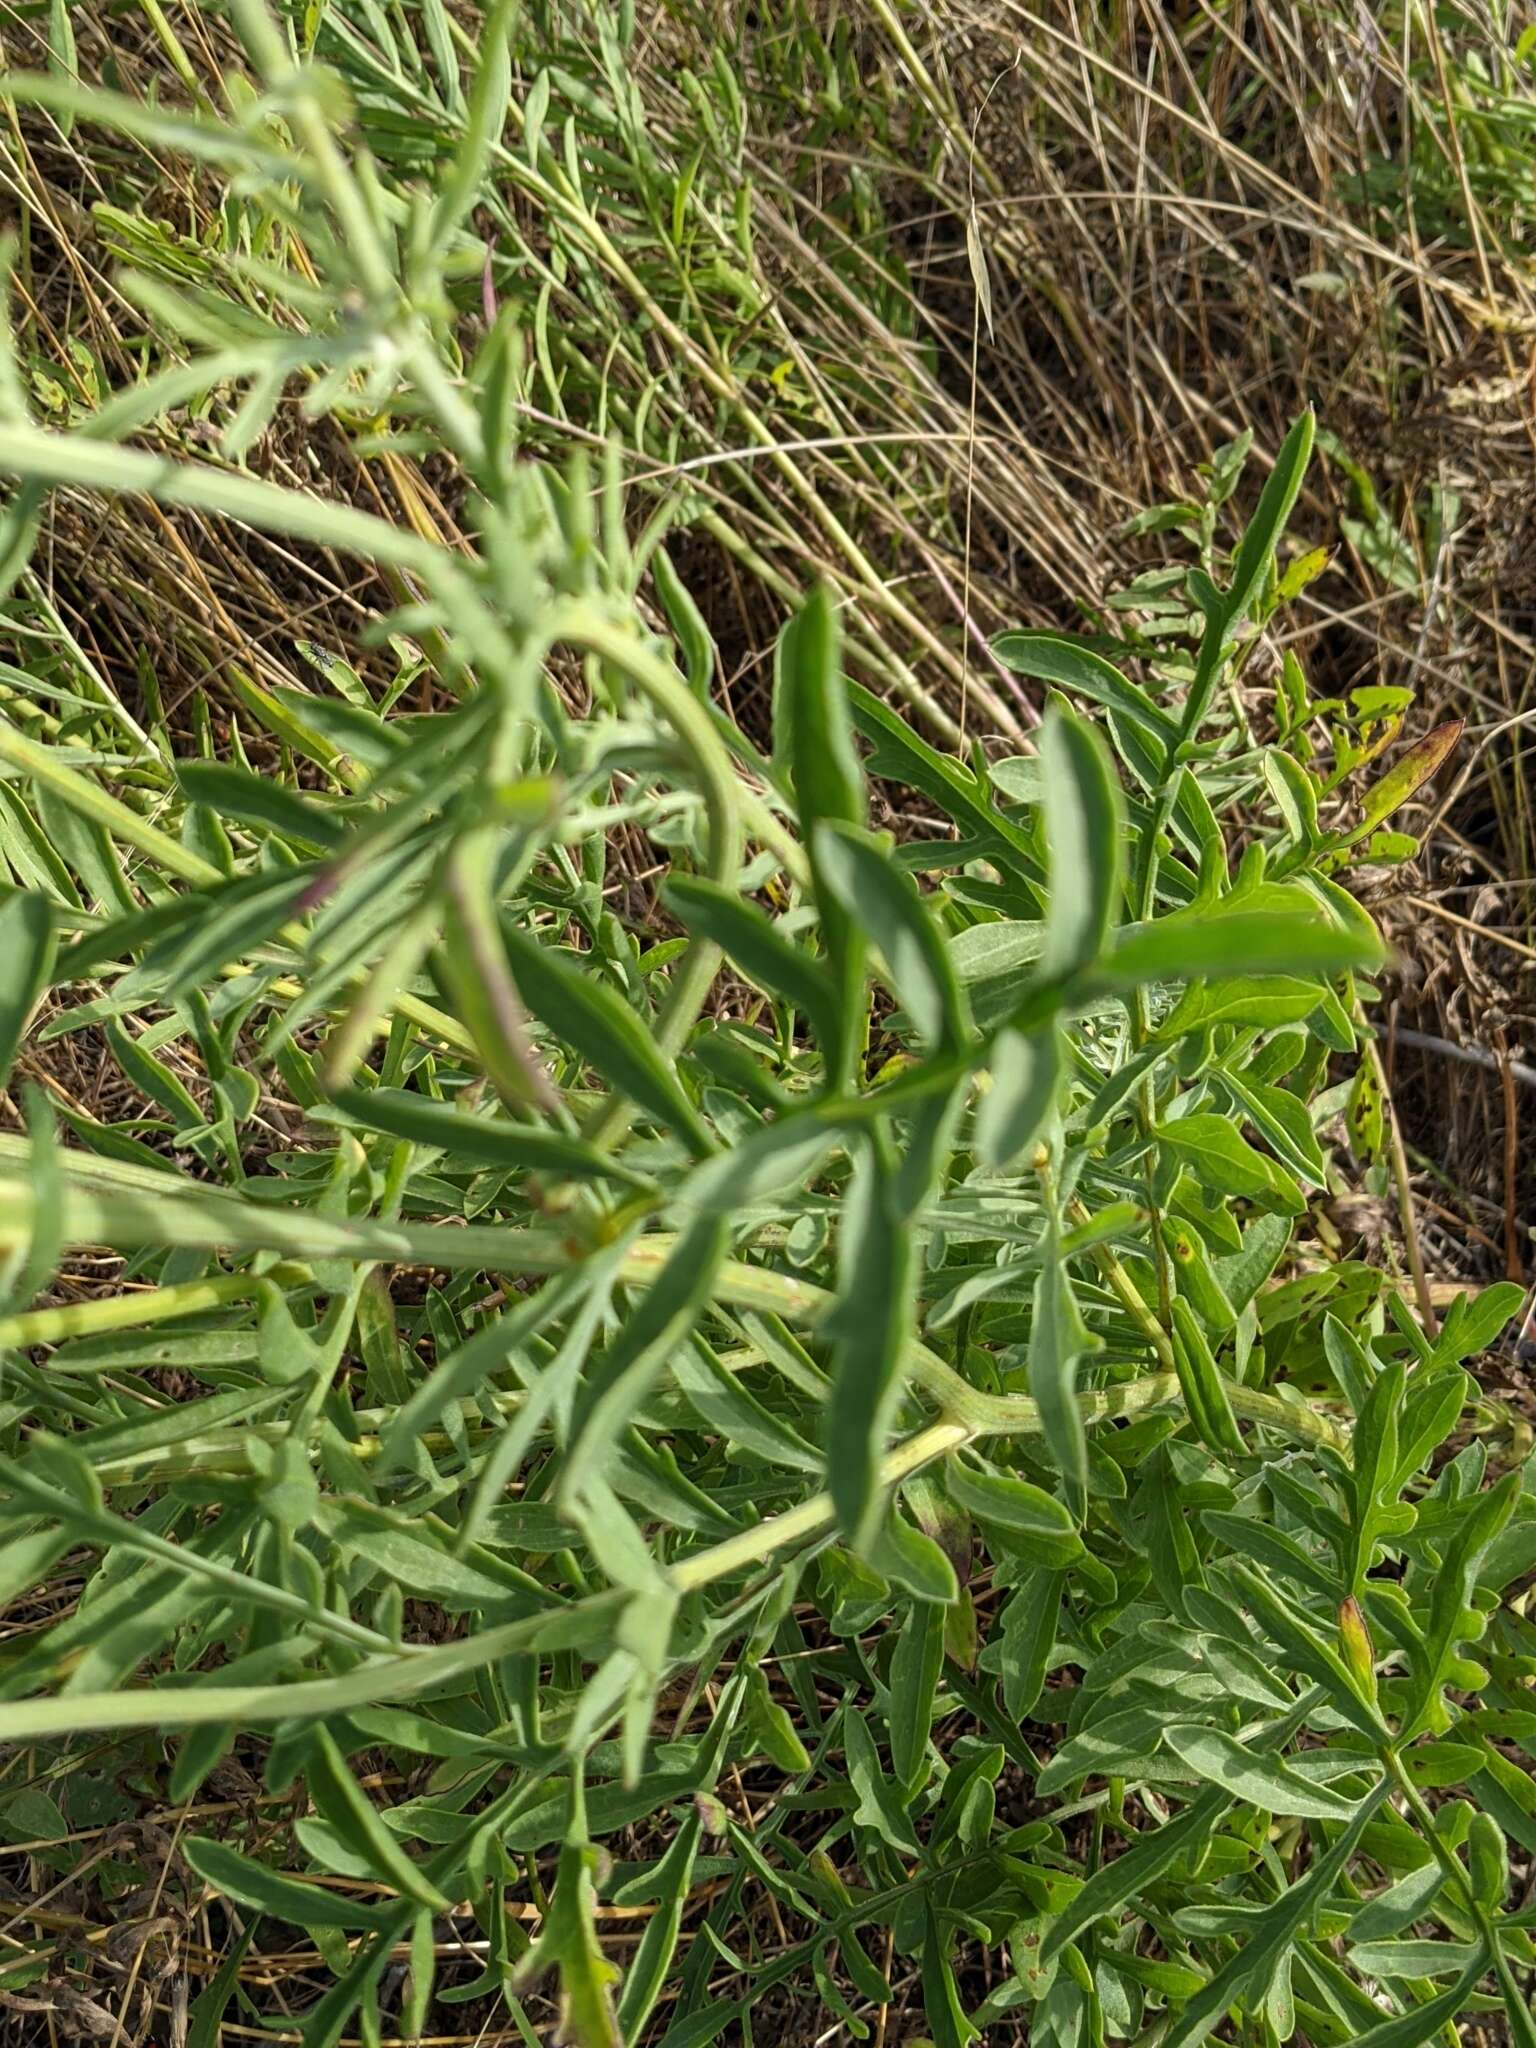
column 662, row 1320
column 1295, row 794
column 252, row 1884
column 1374, row 1450
column 886, row 906
column 484, row 1141
column 1028, row 1637
column 1024, row 1079
column 644, row 1978
column 236, row 794
column 960, row 795
column 1260, row 1781
column 474, row 966
column 871, row 1327
column 1085, row 672
column 1261, row 1002
column 1201, row 1382
column 943, row 2007
column 1008, row 1502
column 1188, row 948
column 1131, row 1873
column 1276, row 501
column 1083, row 836
column 1482, row 1519
column 1308, row 1651
column 1397, row 1959
column 341, row 1801
column 911, row 1558
column 880, row 1806
column 915, row 1668
column 1218, row 1152
column 1058, row 1339
column 26, row 957
column 596, row 1021
column 1248, row 1974
column 489, row 100
column 683, row 615
column 61, row 53
column 1399, row 1906
column 567, row 1943
column 1488, row 1861
column 1406, row 777
column 756, row 945
column 1423, row 2023
column 829, row 788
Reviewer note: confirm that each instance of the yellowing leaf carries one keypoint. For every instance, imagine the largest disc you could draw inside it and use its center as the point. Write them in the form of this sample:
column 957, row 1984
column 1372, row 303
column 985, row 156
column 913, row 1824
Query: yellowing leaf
column 1423, row 760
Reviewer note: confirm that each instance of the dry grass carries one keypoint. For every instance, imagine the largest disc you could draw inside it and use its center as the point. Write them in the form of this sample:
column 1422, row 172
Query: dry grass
column 1002, row 277
column 1186, row 225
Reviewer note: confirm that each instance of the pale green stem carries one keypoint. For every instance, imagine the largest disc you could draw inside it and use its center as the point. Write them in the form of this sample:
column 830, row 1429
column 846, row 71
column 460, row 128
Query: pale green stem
column 197, row 1219
column 419, row 1669
column 1125, row 1290
column 812, row 1516
column 721, row 790
column 128, row 1311
column 114, row 1532
column 46, row 766
column 1402, row 1181
column 177, row 57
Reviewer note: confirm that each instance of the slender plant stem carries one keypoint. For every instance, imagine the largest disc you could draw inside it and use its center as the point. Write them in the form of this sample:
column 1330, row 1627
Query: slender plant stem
column 130, row 1311
column 130, row 1219
column 1403, row 1183
column 414, row 1670
column 47, row 767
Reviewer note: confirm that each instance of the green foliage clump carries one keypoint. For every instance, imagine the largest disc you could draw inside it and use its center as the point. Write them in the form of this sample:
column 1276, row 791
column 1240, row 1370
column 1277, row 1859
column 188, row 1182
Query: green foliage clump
column 856, row 1339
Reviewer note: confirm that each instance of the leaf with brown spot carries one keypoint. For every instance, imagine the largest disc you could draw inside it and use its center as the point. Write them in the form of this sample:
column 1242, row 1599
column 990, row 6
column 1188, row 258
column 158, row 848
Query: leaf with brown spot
column 1422, row 761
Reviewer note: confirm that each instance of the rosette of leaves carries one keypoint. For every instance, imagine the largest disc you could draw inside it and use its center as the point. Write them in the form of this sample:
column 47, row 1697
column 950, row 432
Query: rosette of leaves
column 838, row 1324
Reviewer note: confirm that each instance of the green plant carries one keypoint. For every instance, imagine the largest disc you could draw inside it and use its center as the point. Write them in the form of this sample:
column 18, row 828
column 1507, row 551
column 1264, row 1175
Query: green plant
column 641, row 257
column 1458, row 121
column 856, row 1339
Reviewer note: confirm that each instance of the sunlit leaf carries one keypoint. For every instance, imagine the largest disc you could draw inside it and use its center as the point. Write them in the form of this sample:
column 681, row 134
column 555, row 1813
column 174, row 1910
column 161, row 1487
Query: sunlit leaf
column 1082, row 828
